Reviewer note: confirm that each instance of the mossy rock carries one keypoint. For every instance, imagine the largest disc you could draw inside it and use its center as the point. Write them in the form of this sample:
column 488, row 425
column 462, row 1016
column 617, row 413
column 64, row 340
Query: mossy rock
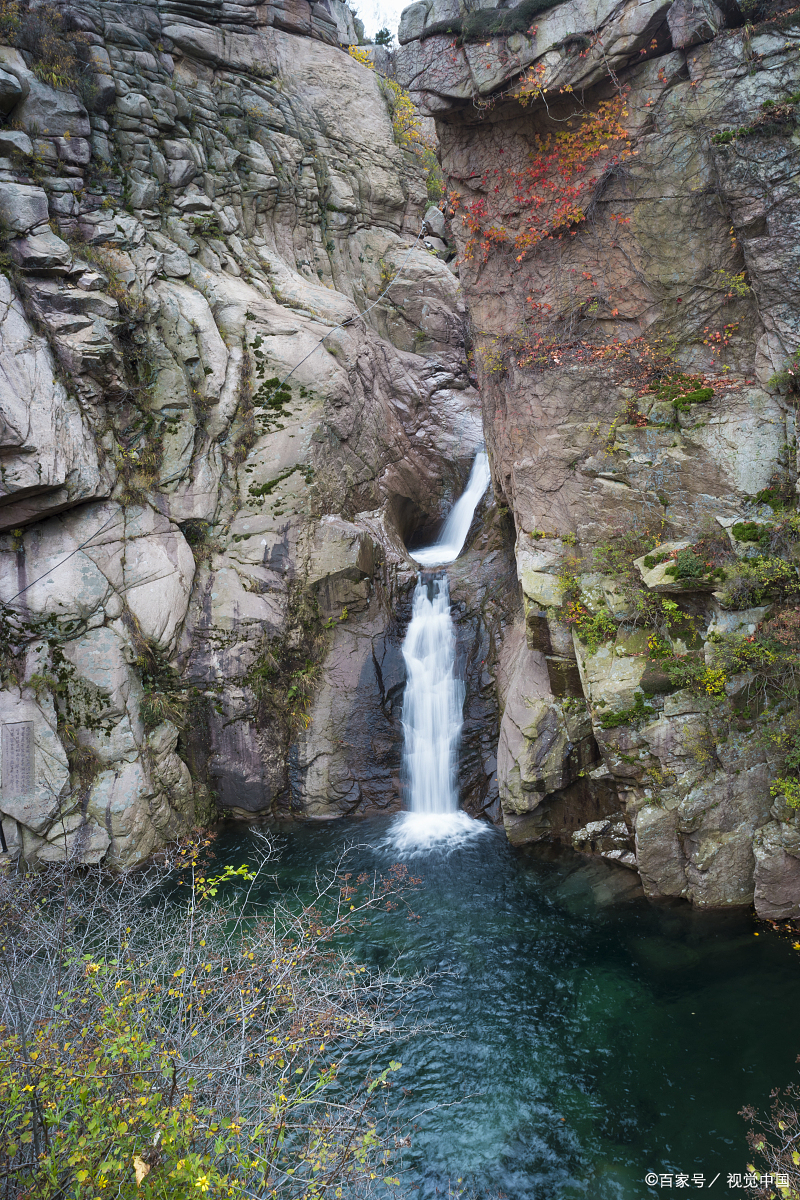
column 656, row 682
column 491, row 22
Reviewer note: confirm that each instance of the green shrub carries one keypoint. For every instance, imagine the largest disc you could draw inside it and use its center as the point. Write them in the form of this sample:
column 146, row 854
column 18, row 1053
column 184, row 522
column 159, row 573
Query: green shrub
column 690, row 671
column 789, row 789
column 750, row 582
column 748, row 531
column 593, row 628
column 682, row 390
column 654, row 560
column 638, row 711
column 776, row 497
column 160, row 1041
column 690, row 568
column 698, row 396
column 788, row 377
column 687, row 565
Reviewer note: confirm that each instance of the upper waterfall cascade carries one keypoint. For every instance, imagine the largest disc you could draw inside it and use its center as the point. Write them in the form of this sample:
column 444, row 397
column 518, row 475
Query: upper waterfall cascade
column 451, row 540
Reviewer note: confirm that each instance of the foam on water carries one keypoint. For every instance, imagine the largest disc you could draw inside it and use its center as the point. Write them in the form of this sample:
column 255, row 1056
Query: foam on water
column 413, row 832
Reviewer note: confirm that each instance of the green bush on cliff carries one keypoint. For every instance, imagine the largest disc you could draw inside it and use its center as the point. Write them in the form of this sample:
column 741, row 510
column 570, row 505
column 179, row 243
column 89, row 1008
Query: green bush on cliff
column 690, row 671
column 748, row 531
column 788, row 378
column 58, row 51
column 638, row 711
column 789, row 789
column 593, row 628
column 752, row 580
column 682, row 390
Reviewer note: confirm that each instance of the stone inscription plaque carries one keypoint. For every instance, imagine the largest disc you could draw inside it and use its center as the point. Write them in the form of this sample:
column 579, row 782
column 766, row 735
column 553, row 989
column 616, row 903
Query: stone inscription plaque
column 17, row 746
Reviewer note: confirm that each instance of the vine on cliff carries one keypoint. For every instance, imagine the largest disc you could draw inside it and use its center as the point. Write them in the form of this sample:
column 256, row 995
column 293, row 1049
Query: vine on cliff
column 553, row 191
column 406, row 125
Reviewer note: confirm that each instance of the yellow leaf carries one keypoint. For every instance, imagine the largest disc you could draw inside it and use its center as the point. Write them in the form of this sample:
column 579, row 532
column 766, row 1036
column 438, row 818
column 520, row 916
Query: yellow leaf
column 141, row 1168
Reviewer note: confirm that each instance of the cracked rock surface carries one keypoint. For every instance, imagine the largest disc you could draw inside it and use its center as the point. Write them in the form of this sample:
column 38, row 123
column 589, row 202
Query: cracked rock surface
column 682, row 264
column 198, row 569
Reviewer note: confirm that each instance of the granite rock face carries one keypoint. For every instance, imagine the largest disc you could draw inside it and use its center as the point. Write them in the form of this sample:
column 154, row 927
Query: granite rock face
column 198, row 567
column 630, row 328
column 240, row 371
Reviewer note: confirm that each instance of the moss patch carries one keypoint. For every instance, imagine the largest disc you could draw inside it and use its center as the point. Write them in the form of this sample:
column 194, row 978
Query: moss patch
column 491, row 22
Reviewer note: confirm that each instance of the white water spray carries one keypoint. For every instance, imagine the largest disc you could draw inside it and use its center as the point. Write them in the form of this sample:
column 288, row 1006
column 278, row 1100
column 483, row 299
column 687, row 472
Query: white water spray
column 434, row 698
column 454, row 533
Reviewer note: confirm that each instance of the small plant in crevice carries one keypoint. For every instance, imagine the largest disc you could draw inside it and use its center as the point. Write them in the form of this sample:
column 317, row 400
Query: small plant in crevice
column 165, row 697
column 271, row 399
column 690, row 671
column 751, row 581
column 286, row 669
column 638, row 711
column 788, row 378
column 593, row 628
column 682, row 390
column 200, row 536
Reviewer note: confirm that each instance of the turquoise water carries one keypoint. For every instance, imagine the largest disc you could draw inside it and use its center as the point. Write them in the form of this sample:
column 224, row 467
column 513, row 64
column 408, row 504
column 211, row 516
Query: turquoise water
column 595, row 1038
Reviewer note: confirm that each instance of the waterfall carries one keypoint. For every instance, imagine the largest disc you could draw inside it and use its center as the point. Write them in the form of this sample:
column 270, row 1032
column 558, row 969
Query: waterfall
column 434, row 697
column 456, row 527
column 433, row 701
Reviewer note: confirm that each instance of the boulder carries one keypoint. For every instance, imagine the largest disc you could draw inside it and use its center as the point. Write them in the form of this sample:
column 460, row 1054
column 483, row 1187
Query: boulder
column 11, row 90
column 22, row 207
column 51, row 459
column 434, row 222
column 776, row 846
column 693, row 21
column 52, row 112
column 13, row 141
column 343, row 560
column 41, row 252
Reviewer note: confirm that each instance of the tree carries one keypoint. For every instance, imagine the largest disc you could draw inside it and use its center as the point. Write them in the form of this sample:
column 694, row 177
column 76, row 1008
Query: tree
column 167, row 1034
column 384, row 37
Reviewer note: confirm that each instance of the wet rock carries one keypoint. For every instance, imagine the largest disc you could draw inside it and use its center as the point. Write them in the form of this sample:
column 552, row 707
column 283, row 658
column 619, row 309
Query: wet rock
column 777, row 872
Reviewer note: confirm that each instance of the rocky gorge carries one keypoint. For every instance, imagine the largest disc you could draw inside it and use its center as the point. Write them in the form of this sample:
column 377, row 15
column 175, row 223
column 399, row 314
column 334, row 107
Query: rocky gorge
column 221, row 243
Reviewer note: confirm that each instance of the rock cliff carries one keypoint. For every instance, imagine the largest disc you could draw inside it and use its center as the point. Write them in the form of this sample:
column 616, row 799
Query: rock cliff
column 239, row 373
column 210, row 457
column 624, row 186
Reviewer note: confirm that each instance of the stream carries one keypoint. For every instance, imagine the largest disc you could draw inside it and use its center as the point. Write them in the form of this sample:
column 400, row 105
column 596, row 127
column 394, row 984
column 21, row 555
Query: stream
column 596, row 1037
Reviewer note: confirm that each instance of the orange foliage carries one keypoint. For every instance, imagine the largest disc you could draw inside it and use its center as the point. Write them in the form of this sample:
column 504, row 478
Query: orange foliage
column 552, row 192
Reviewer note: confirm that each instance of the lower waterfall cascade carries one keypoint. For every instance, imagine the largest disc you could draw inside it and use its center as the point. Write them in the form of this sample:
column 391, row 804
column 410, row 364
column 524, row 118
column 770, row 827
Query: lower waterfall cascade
column 434, row 700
